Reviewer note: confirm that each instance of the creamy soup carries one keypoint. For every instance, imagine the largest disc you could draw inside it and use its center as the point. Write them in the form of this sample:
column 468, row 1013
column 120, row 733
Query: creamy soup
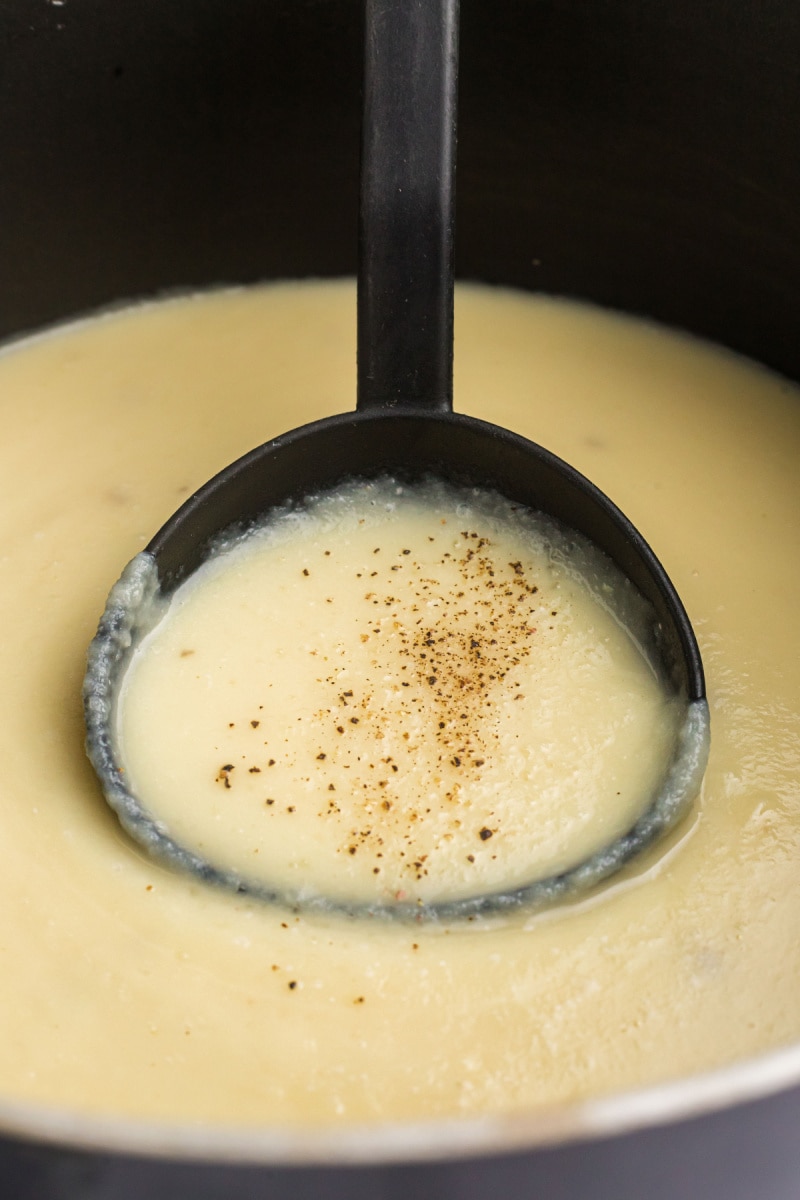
column 133, row 989
column 397, row 696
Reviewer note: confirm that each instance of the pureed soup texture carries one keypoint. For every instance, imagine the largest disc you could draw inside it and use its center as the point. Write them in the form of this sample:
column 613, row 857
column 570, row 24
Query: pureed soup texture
column 216, row 1007
column 348, row 703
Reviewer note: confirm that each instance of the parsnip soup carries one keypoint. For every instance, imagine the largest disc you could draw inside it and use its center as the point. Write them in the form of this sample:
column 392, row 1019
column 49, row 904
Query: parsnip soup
column 133, row 989
column 399, row 695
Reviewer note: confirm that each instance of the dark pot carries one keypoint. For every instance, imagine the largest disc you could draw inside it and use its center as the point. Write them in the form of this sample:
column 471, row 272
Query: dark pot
column 643, row 155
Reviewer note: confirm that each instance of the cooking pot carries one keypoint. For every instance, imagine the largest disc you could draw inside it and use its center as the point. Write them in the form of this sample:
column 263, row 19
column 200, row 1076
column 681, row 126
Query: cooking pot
column 641, row 155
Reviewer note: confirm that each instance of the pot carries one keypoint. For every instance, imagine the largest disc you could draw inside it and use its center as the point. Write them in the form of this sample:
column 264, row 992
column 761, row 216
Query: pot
column 640, row 156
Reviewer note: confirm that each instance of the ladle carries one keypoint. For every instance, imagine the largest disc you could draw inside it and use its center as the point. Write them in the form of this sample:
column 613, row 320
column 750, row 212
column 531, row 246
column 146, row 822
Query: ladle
column 403, row 426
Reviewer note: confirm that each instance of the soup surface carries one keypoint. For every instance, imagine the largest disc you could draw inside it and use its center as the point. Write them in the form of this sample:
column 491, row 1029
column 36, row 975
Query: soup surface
column 397, row 696
column 132, row 989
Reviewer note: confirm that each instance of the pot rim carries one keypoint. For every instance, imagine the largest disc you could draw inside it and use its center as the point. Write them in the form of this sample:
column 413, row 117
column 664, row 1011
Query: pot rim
column 407, row 1142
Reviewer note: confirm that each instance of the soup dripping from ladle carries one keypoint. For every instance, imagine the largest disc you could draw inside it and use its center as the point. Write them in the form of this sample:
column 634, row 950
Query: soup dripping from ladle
column 404, row 427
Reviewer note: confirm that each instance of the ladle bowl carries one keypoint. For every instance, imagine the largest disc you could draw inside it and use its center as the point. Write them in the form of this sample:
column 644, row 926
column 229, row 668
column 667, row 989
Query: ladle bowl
column 411, row 446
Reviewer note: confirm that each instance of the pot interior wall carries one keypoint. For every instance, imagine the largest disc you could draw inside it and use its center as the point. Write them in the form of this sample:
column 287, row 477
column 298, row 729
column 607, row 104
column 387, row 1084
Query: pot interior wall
column 640, row 155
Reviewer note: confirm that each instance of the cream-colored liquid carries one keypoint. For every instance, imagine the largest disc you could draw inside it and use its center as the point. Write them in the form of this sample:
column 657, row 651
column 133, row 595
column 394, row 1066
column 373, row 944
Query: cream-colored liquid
column 398, row 695
column 132, row 989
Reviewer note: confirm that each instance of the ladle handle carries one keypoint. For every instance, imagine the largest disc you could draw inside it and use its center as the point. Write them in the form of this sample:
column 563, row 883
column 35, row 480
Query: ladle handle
column 405, row 275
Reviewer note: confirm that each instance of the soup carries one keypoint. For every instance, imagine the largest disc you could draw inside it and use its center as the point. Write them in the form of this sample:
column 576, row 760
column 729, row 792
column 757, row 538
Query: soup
column 135, row 990
column 396, row 696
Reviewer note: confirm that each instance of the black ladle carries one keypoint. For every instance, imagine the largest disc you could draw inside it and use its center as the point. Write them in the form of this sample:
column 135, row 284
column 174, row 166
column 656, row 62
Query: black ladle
column 404, row 426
